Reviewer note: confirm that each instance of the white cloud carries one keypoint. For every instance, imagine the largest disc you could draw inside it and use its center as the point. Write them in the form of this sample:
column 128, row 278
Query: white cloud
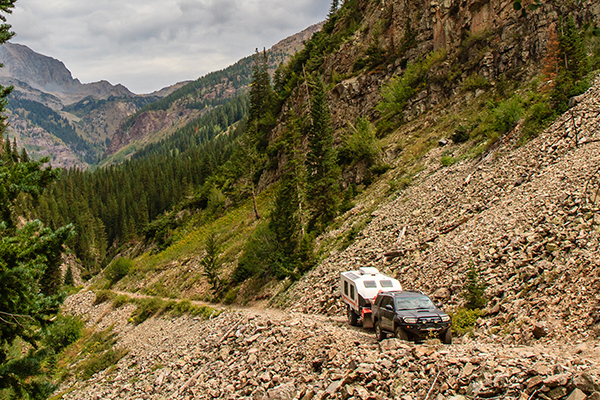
column 149, row 44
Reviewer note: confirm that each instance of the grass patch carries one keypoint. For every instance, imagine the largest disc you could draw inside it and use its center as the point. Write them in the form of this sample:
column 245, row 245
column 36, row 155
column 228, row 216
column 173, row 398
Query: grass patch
column 92, row 353
column 352, row 234
column 103, row 296
column 474, row 82
column 448, row 161
column 148, row 308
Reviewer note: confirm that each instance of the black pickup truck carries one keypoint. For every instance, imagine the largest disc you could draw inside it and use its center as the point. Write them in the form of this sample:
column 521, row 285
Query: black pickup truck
column 410, row 315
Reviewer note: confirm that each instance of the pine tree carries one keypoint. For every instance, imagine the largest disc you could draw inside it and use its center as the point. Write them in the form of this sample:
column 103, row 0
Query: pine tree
column 335, row 5
column 323, row 173
column 68, row 279
column 29, row 258
column 211, row 265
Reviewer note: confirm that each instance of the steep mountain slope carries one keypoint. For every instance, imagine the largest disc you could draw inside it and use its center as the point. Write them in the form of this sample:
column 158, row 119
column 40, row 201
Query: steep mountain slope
column 526, row 217
column 183, row 106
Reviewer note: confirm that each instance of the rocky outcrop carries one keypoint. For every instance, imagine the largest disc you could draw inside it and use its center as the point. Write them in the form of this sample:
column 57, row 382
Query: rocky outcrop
column 40, row 143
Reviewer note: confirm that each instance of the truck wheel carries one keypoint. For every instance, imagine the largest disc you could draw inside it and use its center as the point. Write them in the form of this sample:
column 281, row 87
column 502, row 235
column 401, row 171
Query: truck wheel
column 446, row 337
column 401, row 334
column 379, row 333
column 352, row 317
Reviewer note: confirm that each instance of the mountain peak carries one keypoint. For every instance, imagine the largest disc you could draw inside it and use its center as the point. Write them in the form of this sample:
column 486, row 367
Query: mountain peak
column 51, row 76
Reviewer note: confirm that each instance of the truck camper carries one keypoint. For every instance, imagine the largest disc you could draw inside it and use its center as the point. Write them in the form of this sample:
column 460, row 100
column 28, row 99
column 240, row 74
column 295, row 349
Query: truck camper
column 359, row 290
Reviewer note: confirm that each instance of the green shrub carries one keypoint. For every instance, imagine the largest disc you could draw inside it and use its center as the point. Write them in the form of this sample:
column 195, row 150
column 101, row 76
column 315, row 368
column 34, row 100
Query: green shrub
column 182, row 307
column 63, row 331
column 120, row 300
column 380, row 168
column 68, row 279
column 400, row 184
column 398, row 91
column 231, row 296
column 102, row 296
column 460, row 135
column 148, row 308
column 204, row 312
column 464, row 320
column 360, row 143
column 117, row 270
column 506, row 115
column 539, row 116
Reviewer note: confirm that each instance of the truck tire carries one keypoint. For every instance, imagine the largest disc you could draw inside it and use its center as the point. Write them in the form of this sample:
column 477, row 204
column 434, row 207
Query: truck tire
column 379, row 333
column 352, row 317
column 446, row 337
column 402, row 334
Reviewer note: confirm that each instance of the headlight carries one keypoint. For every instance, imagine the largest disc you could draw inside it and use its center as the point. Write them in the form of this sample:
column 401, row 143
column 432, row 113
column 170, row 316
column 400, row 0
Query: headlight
column 445, row 318
column 410, row 320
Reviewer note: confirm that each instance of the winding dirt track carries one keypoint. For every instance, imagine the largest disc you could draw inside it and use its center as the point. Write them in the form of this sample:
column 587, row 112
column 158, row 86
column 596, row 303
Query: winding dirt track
column 251, row 352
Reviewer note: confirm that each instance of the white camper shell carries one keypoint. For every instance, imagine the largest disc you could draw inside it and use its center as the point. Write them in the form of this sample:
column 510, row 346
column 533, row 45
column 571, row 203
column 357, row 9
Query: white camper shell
column 359, row 290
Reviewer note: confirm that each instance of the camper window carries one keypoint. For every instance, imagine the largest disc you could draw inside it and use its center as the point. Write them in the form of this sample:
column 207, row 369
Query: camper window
column 370, row 284
column 346, row 288
column 386, row 284
column 352, row 292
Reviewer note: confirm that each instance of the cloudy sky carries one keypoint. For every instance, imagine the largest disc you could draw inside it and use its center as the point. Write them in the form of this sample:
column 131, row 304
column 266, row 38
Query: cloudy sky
column 150, row 44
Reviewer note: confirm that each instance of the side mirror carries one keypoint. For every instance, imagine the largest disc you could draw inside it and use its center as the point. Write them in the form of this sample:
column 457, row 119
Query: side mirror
column 389, row 307
column 438, row 304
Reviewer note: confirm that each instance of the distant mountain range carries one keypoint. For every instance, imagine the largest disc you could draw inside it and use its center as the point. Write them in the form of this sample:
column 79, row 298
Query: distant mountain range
column 78, row 125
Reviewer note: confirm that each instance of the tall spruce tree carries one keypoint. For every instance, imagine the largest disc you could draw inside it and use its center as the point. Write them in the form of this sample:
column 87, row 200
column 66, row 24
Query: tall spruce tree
column 260, row 113
column 285, row 220
column 323, row 173
column 29, row 262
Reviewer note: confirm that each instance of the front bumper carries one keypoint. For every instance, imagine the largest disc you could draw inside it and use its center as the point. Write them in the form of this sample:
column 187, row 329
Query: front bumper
column 424, row 330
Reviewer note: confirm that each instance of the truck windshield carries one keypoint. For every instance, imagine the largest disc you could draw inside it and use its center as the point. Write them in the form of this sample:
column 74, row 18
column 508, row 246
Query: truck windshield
column 414, row 303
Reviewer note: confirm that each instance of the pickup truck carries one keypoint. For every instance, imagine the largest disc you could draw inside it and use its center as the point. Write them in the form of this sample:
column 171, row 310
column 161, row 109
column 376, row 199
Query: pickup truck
column 410, row 315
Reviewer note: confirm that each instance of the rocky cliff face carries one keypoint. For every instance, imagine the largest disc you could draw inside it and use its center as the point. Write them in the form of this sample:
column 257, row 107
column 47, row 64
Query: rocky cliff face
column 488, row 38
column 147, row 125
